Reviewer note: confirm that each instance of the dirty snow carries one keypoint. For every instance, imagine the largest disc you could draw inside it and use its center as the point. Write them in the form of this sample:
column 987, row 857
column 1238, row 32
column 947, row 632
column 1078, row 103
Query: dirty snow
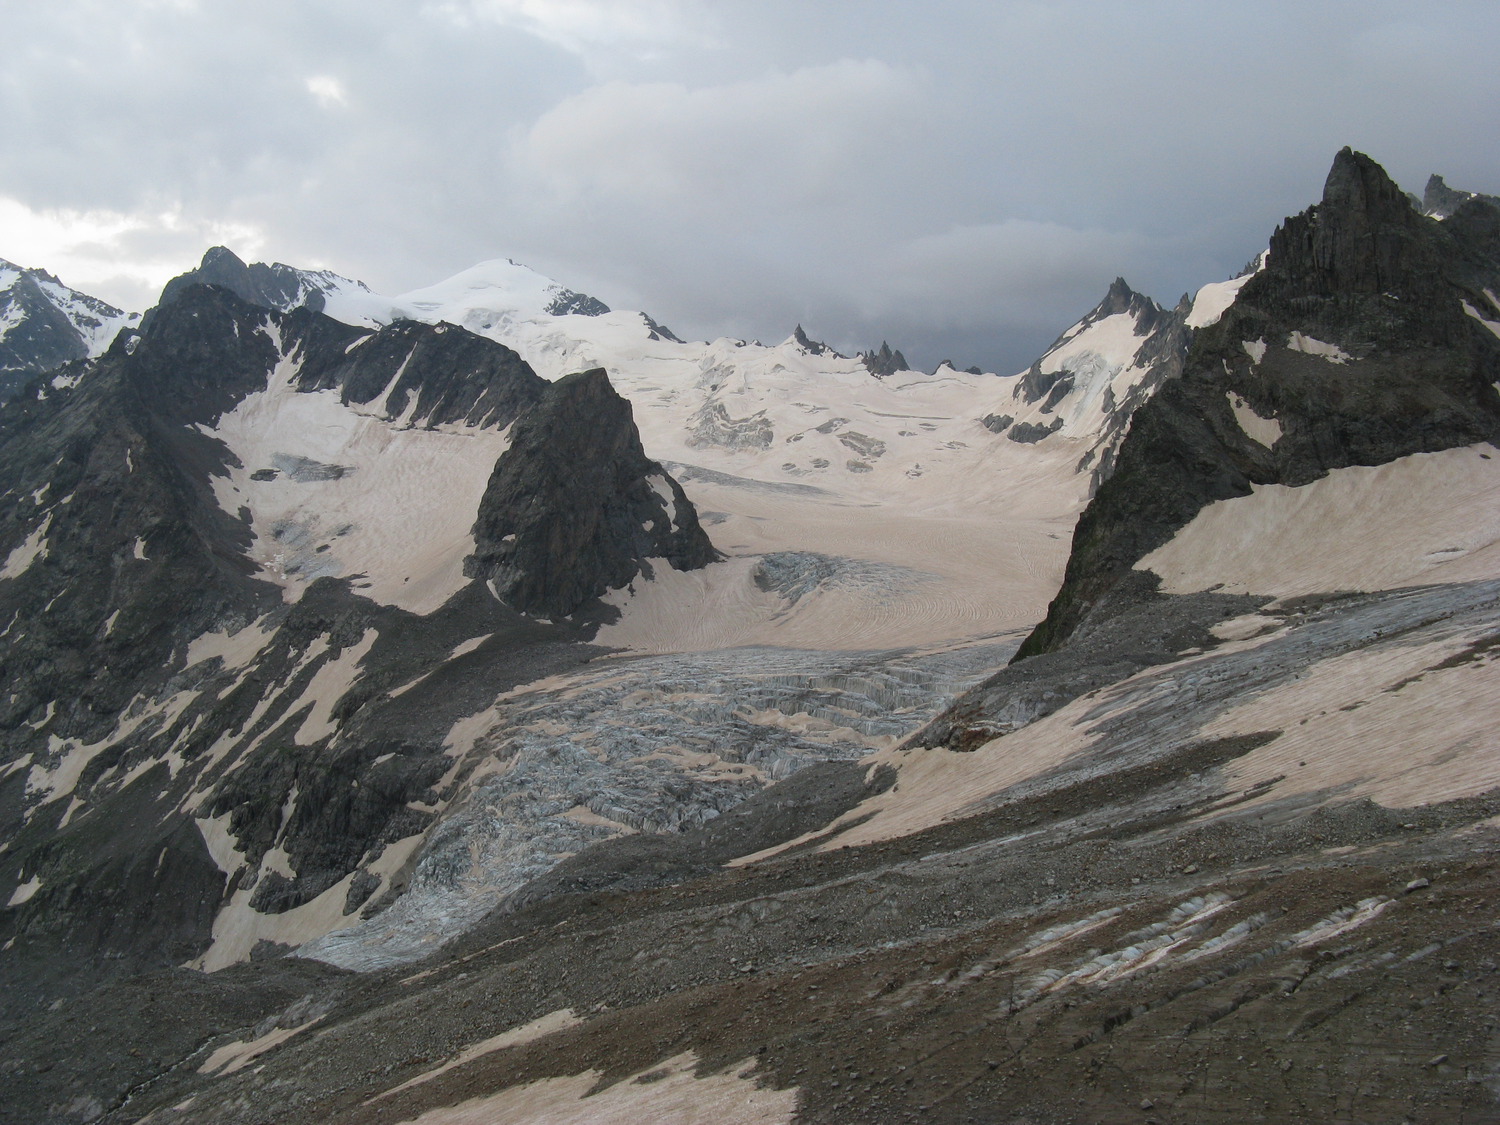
column 1430, row 517
column 355, row 493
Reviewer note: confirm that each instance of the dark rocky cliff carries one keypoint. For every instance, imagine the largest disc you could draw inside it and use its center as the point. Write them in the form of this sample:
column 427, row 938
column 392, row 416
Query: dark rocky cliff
column 275, row 286
column 1363, row 273
column 575, row 507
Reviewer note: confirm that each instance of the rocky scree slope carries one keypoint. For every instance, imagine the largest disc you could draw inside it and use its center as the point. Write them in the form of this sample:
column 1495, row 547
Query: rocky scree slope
column 1154, row 942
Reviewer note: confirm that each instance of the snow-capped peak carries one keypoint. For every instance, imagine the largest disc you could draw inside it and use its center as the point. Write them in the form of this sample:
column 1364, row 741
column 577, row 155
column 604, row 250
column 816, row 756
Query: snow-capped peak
column 493, row 292
column 44, row 323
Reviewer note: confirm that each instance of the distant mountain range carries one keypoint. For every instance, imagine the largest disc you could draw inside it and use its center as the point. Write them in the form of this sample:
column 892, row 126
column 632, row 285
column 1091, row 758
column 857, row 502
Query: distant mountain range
column 482, row 701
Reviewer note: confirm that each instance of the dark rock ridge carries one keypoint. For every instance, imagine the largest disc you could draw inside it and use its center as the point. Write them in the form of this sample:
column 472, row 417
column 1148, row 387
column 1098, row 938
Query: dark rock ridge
column 41, row 336
column 1439, row 200
column 884, row 362
column 1029, row 433
column 997, row 423
column 442, row 374
column 274, row 286
column 948, row 363
column 1163, row 337
column 575, row 507
column 1361, row 272
column 660, row 331
column 811, row 346
column 567, row 302
column 1054, row 386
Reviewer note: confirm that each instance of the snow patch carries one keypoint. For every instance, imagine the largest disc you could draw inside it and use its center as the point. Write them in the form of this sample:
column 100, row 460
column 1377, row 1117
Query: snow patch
column 539, row 1028
column 396, row 516
column 26, row 891
column 221, row 844
column 668, row 1092
column 32, row 548
column 1211, row 301
column 1308, row 345
column 329, row 684
column 1429, row 517
column 1492, row 325
column 231, row 1057
column 1265, row 431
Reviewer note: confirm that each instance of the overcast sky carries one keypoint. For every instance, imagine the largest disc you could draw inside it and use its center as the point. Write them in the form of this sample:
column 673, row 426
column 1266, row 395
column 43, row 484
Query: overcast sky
column 961, row 178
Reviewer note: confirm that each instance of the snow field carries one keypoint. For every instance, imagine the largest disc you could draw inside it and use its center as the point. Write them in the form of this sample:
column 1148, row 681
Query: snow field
column 1430, row 517
column 391, row 504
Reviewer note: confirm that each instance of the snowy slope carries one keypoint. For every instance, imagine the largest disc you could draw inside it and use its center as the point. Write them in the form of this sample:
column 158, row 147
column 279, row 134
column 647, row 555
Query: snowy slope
column 908, row 499
column 338, row 488
column 914, row 496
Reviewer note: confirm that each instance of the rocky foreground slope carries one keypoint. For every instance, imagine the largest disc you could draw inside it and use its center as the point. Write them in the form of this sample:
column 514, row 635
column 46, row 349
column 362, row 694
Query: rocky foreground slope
column 1224, row 851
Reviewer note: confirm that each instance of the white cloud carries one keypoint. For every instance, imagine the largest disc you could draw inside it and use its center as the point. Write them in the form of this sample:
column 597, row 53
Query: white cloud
column 328, row 91
column 121, row 258
column 585, row 26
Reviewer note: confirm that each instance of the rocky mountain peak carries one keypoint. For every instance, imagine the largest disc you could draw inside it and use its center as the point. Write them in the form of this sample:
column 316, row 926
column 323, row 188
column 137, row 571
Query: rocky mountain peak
column 1363, row 238
column 274, row 286
column 1121, row 298
column 1440, row 201
column 884, row 362
column 1354, row 339
column 44, row 324
column 575, row 508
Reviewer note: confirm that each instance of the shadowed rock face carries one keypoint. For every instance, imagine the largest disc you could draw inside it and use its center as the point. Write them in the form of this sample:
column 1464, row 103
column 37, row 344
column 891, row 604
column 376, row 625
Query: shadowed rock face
column 441, row 374
column 1354, row 338
column 575, row 508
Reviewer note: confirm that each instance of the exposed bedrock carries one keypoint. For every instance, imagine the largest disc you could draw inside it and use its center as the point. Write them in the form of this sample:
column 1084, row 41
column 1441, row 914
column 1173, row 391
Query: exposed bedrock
column 1358, row 338
column 575, row 508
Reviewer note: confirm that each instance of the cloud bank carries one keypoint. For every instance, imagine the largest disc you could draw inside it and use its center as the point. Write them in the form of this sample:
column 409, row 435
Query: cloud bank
column 962, row 179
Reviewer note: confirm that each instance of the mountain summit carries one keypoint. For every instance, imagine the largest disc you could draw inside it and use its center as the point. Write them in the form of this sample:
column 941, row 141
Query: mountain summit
column 44, row 324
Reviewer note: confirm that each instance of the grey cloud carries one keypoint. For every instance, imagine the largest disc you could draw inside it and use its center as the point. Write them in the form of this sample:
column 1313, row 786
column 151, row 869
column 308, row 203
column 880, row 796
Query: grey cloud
column 961, row 178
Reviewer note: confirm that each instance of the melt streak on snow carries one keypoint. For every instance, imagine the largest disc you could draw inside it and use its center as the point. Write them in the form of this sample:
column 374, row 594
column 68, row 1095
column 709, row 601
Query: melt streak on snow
column 671, row 1095
column 355, row 493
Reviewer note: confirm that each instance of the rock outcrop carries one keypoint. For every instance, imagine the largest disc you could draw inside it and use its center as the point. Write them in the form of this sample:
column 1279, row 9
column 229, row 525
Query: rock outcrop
column 44, row 324
column 274, row 286
column 1364, row 338
column 575, row 508
column 884, row 362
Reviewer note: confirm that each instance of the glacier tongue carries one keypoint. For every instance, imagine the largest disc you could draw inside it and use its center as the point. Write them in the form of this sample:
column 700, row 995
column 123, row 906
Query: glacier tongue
column 665, row 744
